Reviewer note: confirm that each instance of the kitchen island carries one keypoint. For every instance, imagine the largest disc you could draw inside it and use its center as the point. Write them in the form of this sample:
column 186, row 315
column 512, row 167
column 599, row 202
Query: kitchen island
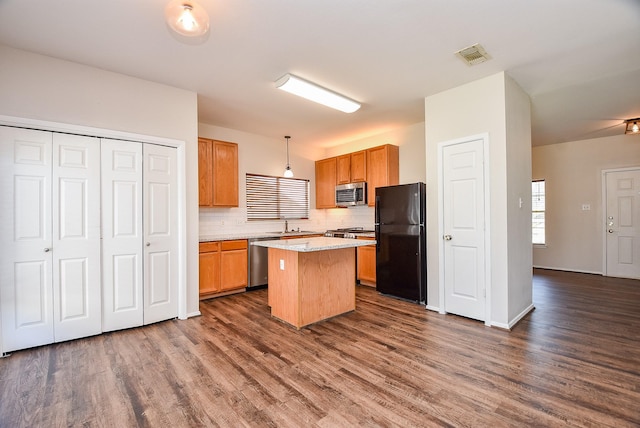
column 311, row 279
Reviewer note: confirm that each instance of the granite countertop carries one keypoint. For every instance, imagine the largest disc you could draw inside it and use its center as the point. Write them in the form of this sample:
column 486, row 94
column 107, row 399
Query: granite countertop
column 305, row 245
column 240, row 235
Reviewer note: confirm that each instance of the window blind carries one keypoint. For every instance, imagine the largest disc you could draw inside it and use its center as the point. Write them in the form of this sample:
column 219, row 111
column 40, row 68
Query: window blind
column 275, row 198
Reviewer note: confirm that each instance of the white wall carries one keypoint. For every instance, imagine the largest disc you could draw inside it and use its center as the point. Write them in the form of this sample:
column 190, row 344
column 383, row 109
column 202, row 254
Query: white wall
column 44, row 88
column 472, row 109
column 572, row 172
column 520, row 275
column 410, row 141
column 262, row 155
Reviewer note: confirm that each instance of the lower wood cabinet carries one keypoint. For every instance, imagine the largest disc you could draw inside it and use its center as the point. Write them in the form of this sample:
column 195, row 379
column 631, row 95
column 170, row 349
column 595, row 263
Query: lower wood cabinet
column 366, row 271
column 223, row 267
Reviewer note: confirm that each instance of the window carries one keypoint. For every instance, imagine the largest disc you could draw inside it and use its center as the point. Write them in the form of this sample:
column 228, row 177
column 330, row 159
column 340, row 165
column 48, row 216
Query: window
column 275, row 198
column 537, row 211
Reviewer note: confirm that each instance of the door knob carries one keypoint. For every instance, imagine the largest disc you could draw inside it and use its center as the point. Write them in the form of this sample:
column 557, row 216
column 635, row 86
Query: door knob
column 148, row 244
column 447, row 237
column 610, row 230
column 46, row 250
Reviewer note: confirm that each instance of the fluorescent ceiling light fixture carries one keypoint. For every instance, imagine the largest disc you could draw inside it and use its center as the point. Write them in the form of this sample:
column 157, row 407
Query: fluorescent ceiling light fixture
column 318, row 94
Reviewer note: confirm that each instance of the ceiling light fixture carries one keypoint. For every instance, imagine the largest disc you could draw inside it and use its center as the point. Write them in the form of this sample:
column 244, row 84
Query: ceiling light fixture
column 287, row 171
column 632, row 126
column 187, row 18
column 318, row 94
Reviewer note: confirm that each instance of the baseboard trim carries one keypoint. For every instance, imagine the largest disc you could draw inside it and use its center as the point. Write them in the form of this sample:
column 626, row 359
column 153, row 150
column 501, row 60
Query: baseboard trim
column 514, row 321
column 568, row 270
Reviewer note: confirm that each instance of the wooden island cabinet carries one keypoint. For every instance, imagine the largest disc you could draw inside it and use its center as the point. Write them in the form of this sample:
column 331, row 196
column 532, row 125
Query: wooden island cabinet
column 217, row 173
column 311, row 279
column 223, row 267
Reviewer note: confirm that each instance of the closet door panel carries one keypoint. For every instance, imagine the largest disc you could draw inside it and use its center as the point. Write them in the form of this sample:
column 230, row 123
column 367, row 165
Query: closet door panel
column 122, row 298
column 160, row 233
column 26, row 256
column 76, row 237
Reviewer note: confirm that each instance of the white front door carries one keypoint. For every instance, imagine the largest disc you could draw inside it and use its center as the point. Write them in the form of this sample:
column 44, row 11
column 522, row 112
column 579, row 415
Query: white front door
column 160, row 233
column 26, row 257
column 623, row 223
column 76, row 237
column 122, row 234
column 462, row 176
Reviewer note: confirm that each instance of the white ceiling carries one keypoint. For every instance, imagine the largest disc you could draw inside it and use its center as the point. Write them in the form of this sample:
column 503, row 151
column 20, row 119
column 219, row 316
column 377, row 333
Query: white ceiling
column 579, row 60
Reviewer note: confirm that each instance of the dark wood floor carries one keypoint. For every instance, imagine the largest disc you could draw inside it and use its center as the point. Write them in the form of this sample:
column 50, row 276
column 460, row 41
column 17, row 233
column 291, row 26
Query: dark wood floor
column 574, row 361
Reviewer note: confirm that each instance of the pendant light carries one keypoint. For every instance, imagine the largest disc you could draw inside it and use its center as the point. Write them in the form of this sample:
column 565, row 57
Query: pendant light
column 187, row 19
column 287, row 171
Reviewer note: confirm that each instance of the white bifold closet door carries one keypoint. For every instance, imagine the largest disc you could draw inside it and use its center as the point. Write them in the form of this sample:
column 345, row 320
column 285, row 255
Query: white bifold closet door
column 49, row 237
column 140, row 250
column 122, row 234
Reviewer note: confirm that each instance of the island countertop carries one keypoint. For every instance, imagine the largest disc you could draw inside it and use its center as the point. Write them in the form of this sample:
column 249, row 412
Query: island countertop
column 306, row 245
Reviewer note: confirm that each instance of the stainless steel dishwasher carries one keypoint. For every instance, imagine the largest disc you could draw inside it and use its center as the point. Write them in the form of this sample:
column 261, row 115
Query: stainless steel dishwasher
column 258, row 263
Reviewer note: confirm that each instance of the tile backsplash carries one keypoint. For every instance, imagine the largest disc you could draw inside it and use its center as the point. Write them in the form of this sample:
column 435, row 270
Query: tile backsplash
column 233, row 220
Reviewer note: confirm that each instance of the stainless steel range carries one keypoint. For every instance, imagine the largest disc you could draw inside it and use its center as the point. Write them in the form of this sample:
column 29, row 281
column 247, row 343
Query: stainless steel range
column 348, row 232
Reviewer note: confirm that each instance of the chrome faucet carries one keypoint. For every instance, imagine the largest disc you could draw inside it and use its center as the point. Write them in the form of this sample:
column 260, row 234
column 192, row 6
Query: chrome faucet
column 286, row 226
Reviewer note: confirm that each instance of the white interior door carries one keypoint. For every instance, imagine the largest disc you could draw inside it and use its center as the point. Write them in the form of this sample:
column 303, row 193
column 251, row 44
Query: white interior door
column 463, row 227
column 122, row 234
column 76, row 237
column 26, row 296
column 623, row 223
column 160, row 233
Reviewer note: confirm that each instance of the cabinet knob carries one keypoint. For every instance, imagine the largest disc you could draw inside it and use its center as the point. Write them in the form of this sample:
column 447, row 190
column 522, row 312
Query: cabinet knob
column 46, row 250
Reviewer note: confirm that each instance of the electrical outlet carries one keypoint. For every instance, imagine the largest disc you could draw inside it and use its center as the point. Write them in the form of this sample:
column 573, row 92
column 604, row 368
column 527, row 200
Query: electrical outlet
column 586, row 207
column 281, row 264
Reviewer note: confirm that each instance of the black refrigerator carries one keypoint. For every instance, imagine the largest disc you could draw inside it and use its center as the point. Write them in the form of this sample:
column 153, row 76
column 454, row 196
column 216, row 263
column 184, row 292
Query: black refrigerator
column 401, row 253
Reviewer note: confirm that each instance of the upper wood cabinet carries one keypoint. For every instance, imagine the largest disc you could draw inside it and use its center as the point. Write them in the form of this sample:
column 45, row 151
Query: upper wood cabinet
column 378, row 166
column 352, row 167
column 217, row 173
column 382, row 169
column 343, row 171
column 358, row 166
column 326, row 183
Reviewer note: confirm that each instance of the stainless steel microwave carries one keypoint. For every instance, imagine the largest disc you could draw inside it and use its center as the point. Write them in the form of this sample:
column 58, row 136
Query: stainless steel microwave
column 349, row 195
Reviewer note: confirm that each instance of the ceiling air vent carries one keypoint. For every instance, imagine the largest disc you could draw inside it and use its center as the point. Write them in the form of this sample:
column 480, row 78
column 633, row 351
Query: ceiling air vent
column 473, row 55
